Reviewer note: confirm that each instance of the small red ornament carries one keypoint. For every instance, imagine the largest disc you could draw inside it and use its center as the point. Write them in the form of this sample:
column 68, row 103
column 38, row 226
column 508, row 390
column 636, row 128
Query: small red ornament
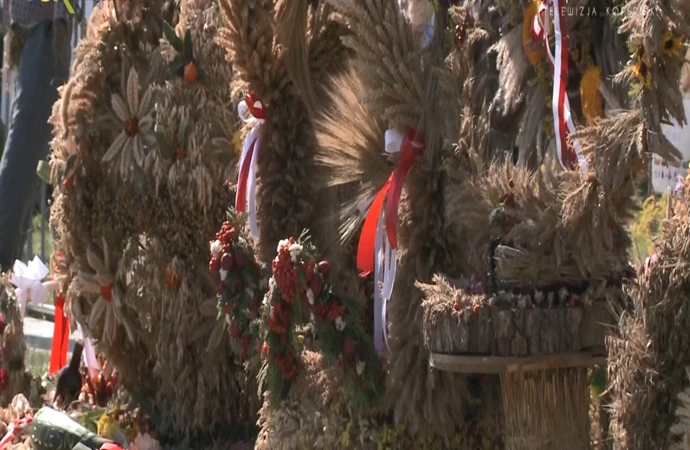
column 456, row 306
column 325, row 269
column 264, row 349
column 214, row 265
column 475, row 310
column 107, row 292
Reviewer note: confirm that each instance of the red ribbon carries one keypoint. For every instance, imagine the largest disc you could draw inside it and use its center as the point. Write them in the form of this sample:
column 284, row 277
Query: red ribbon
column 111, row 446
column 15, row 426
column 411, row 147
column 58, row 351
column 241, row 198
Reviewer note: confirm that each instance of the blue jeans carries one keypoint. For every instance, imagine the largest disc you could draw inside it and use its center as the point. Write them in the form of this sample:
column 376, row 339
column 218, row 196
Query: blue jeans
column 41, row 71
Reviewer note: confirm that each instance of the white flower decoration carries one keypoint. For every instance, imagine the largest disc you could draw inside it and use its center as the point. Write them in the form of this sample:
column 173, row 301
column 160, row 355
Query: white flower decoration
column 295, row 251
column 281, row 244
column 134, row 117
column 360, row 367
column 99, row 285
column 339, row 323
column 216, row 248
column 310, row 296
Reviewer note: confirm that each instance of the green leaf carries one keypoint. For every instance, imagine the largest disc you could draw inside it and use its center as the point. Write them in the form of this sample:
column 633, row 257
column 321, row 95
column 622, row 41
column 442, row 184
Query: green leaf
column 188, row 46
column 171, row 37
column 495, row 215
column 43, row 171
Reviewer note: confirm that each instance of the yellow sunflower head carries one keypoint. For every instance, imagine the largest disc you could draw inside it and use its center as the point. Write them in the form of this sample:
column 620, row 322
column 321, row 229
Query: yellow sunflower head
column 592, row 105
column 535, row 50
column 671, row 46
column 643, row 74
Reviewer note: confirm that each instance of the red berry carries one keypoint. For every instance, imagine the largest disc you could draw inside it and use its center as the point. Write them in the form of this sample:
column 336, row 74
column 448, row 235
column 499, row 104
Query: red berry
column 316, row 286
column 227, row 308
column 475, row 310
column 265, row 349
column 457, row 306
column 240, row 260
column 226, row 262
column 325, row 269
column 214, row 265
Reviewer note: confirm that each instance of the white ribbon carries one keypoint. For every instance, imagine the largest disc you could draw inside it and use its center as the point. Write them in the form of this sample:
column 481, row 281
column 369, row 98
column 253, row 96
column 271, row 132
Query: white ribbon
column 253, row 137
column 385, row 260
column 29, row 283
column 89, row 353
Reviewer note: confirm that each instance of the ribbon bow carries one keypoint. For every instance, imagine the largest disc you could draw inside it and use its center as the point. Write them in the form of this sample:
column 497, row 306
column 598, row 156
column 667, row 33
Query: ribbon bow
column 378, row 242
column 568, row 155
column 252, row 111
column 28, row 280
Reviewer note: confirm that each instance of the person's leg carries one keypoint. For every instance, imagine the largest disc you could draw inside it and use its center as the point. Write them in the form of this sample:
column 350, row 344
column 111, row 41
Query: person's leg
column 41, row 70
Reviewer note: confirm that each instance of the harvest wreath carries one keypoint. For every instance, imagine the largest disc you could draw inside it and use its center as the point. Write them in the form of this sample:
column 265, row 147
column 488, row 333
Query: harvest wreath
column 299, row 299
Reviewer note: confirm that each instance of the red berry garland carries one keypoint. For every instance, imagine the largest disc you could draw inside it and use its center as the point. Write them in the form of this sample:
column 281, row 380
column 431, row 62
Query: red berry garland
column 238, row 275
column 268, row 329
column 299, row 284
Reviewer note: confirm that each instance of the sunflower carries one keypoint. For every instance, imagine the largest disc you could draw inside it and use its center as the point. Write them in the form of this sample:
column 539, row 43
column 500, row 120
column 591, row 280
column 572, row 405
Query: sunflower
column 592, row 106
column 672, row 46
column 134, row 118
column 535, row 50
column 642, row 72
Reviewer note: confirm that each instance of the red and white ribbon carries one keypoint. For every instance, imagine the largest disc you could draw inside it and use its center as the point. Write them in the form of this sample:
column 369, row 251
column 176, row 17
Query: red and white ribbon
column 14, row 429
column 570, row 156
column 378, row 243
column 253, row 112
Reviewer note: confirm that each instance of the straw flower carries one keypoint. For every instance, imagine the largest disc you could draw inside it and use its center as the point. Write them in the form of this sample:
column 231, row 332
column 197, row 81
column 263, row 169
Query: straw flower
column 672, row 46
column 134, row 118
column 592, row 106
column 99, row 285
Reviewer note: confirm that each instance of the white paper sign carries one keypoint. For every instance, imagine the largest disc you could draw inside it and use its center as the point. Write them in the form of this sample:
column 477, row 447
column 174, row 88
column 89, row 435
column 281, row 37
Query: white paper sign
column 666, row 175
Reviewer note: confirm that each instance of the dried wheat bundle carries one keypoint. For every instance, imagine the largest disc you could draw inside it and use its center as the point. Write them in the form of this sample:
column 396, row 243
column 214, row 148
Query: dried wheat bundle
column 140, row 159
column 318, row 418
column 681, row 429
column 647, row 356
column 387, row 60
column 12, row 344
column 283, row 54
